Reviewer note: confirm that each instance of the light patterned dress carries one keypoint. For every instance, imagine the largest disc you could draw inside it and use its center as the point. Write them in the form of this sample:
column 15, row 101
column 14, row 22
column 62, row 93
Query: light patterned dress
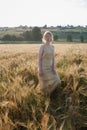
column 49, row 81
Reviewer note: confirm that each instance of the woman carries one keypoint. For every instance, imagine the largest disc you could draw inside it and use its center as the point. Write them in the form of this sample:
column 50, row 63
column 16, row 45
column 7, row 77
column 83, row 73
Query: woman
column 48, row 77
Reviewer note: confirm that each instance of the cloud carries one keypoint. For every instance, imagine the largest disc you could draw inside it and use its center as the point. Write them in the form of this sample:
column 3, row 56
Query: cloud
column 81, row 3
column 84, row 3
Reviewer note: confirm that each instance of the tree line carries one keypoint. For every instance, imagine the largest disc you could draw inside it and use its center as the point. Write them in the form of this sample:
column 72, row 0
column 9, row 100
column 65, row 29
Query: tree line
column 33, row 35
column 36, row 35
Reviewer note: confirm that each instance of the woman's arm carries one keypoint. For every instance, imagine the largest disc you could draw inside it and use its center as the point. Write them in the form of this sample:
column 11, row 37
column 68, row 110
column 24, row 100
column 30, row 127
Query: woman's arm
column 40, row 60
column 53, row 64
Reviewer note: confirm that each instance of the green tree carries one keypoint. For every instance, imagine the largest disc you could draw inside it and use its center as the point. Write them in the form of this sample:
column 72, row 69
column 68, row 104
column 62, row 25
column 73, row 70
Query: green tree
column 13, row 38
column 81, row 38
column 9, row 37
column 27, row 35
column 69, row 38
column 36, row 34
column 6, row 37
column 55, row 37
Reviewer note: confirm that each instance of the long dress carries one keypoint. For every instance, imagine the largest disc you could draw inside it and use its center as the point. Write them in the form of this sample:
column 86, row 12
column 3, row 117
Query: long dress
column 49, row 81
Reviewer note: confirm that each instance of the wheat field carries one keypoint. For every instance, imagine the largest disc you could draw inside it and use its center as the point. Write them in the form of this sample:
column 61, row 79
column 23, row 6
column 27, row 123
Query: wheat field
column 22, row 107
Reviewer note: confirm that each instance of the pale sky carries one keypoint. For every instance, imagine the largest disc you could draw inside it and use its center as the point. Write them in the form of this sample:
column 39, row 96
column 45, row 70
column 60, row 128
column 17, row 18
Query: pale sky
column 41, row 12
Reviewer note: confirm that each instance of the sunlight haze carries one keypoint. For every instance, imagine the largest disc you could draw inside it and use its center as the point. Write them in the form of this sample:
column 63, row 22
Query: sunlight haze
column 41, row 12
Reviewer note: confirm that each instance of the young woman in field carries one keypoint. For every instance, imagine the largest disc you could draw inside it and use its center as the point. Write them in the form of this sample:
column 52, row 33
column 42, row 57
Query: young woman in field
column 48, row 77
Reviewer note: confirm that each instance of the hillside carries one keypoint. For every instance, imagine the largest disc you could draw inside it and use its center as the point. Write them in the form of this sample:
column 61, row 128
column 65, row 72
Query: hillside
column 77, row 34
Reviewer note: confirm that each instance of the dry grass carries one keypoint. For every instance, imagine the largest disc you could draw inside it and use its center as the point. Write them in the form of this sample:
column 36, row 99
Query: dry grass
column 23, row 108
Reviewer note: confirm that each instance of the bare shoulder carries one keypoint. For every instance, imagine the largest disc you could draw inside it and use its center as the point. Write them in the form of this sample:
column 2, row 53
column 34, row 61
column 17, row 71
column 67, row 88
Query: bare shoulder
column 41, row 47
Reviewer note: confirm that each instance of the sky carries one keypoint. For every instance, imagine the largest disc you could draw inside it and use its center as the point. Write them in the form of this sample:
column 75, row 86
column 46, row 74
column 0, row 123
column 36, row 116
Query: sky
column 43, row 12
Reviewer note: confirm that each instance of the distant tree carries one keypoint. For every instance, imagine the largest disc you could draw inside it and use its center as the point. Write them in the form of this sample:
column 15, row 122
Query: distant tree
column 9, row 37
column 55, row 37
column 69, row 38
column 13, row 38
column 20, row 38
column 27, row 35
column 81, row 38
column 59, row 26
column 36, row 34
column 6, row 37
column 45, row 26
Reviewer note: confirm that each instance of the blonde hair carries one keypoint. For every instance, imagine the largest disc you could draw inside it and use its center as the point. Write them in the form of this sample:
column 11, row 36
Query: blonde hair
column 47, row 32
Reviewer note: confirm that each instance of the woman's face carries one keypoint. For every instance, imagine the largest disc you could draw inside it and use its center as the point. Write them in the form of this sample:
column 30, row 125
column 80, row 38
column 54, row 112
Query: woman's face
column 48, row 38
